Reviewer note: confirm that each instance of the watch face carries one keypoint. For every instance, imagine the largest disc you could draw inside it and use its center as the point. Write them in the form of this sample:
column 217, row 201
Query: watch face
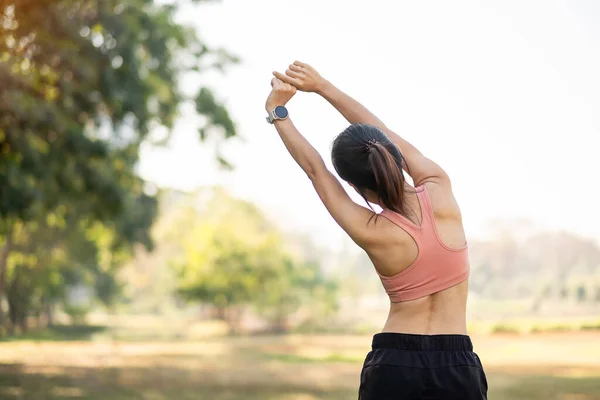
column 281, row 112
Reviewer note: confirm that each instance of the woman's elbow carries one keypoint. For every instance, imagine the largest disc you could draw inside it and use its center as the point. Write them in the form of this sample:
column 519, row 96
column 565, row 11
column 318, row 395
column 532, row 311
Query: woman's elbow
column 315, row 169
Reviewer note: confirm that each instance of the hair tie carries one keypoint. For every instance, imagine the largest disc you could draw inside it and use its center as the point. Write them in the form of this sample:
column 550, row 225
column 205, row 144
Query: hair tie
column 371, row 143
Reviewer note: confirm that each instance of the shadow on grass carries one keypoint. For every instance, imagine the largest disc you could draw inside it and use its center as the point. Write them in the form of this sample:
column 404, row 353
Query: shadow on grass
column 293, row 358
column 156, row 383
column 159, row 382
column 59, row 333
column 548, row 388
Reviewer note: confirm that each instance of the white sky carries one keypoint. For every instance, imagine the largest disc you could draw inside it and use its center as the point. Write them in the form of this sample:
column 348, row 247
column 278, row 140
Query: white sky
column 505, row 95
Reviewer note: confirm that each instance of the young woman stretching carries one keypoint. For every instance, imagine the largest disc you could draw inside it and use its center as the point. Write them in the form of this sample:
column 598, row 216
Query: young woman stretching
column 417, row 245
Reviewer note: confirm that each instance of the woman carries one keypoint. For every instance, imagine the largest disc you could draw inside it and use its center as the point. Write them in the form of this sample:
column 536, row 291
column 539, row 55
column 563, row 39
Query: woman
column 417, row 245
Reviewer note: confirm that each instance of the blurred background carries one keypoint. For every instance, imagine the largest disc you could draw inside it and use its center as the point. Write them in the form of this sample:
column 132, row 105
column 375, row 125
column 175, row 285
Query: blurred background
column 158, row 242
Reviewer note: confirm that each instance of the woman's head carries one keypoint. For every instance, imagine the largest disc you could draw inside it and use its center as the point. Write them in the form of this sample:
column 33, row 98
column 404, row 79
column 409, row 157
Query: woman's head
column 366, row 158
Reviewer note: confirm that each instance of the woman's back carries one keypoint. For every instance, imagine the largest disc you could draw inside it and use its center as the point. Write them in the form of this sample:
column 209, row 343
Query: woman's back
column 439, row 313
column 410, row 272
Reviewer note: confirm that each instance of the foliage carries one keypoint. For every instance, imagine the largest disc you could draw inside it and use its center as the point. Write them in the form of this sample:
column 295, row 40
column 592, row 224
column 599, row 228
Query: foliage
column 233, row 258
column 82, row 85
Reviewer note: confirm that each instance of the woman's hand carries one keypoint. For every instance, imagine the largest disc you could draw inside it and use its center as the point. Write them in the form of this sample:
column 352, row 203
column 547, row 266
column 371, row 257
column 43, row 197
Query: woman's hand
column 281, row 93
column 303, row 77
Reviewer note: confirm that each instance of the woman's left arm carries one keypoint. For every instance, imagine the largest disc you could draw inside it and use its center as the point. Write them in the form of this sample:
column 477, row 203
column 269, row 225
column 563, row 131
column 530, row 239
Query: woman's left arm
column 352, row 217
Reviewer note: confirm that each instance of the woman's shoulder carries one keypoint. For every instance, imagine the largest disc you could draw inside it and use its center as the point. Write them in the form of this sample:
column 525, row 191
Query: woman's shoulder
column 442, row 199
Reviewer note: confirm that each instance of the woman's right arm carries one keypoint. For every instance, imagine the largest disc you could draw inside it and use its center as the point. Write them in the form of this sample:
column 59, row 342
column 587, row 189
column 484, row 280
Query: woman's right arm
column 305, row 78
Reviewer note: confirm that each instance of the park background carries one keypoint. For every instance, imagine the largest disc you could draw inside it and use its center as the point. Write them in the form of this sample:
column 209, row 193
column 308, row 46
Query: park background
column 158, row 242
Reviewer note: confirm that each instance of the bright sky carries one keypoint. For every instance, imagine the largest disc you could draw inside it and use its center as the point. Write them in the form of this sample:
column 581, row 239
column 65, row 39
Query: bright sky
column 505, row 95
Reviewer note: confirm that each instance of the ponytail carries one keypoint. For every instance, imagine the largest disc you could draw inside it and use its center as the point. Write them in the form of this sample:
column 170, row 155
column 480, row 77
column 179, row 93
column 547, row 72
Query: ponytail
column 388, row 176
column 364, row 156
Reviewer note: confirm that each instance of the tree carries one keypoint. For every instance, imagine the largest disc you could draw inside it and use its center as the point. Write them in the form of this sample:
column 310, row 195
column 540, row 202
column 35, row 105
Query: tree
column 54, row 254
column 539, row 266
column 82, row 85
column 234, row 259
column 295, row 285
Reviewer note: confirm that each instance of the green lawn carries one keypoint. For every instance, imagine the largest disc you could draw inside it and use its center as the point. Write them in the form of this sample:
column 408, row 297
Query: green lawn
column 563, row 366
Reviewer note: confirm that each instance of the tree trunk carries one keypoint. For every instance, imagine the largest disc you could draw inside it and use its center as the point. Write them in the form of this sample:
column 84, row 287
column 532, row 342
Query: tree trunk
column 13, row 313
column 234, row 318
column 49, row 312
column 281, row 321
column 39, row 315
column 221, row 313
column 23, row 323
column 39, row 320
column 18, row 302
column 4, row 253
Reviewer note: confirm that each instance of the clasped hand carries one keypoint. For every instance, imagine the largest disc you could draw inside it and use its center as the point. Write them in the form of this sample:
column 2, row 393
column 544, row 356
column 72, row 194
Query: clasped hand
column 299, row 76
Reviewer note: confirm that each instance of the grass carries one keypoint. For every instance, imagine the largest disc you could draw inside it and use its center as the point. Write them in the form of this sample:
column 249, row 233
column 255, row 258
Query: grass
column 591, row 327
column 60, row 333
column 549, row 366
column 170, row 383
column 505, row 328
column 330, row 358
column 549, row 387
column 535, row 325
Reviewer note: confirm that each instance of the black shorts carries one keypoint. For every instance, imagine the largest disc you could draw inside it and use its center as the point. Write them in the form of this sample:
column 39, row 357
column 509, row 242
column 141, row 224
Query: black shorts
column 403, row 366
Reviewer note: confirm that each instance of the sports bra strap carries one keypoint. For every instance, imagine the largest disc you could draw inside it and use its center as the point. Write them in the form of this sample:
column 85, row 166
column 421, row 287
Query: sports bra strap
column 427, row 220
column 427, row 217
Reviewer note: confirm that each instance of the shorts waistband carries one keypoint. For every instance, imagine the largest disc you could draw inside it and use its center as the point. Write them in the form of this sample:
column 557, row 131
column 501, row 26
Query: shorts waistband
column 404, row 341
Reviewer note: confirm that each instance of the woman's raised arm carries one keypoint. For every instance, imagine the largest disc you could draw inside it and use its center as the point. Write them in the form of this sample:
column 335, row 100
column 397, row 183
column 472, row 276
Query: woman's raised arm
column 307, row 79
column 352, row 217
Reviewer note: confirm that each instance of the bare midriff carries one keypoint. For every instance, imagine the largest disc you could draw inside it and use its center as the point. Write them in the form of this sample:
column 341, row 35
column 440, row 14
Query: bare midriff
column 443, row 312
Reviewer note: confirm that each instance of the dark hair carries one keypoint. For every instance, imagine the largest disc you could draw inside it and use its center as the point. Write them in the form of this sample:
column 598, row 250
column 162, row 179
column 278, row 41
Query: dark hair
column 365, row 157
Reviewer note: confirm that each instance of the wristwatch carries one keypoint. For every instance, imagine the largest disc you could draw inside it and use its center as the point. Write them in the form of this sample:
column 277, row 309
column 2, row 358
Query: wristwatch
column 280, row 112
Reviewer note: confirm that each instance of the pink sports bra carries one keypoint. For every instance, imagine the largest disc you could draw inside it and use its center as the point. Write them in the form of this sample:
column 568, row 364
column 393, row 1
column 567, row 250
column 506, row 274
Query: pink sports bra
column 437, row 266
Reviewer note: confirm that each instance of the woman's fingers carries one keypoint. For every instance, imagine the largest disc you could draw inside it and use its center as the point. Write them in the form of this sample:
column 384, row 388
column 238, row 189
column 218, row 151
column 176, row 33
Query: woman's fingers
column 295, row 68
column 293, row 74
column 300, row 64
column 286, row 79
